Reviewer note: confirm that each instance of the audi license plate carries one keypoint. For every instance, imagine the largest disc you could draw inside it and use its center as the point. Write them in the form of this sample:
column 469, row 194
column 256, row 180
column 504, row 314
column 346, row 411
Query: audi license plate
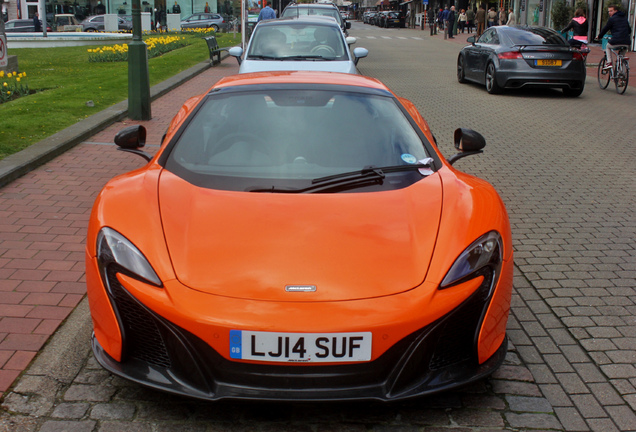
column 300, row 347
column 548, row 62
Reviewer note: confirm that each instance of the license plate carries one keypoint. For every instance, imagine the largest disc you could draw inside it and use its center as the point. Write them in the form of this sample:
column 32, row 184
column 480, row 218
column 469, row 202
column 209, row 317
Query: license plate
column 300, row 347
column 548, row 62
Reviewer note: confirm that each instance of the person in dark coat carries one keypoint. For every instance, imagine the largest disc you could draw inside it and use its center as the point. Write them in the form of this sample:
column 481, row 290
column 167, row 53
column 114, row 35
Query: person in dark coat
column 470, row 19
column 36, row 23
column 451, row 22
column 619, row 26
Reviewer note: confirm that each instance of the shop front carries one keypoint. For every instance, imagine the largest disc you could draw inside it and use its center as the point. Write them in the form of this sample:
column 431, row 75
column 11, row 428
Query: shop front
column 82, row 9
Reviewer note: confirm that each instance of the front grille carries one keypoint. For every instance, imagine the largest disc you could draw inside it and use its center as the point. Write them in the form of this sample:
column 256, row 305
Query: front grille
column 142, row 339
column 439, row 355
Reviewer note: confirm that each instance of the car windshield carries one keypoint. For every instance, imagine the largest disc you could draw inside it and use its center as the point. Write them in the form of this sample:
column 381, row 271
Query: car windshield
column 534, row 36
column 292, row 12
column 297, row 42
column 287, row 138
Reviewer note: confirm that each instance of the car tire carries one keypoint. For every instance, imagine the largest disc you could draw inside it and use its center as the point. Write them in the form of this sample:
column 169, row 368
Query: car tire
column 90, row 30
column 570, row 92
column 491, row 79
column 461, row 69
column 214, row 27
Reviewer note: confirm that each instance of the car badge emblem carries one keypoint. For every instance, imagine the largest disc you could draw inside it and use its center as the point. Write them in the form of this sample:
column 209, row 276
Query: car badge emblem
column 300, row 288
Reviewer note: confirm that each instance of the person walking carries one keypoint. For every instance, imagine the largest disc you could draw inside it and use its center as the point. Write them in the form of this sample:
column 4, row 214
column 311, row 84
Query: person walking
column 431, row 20
column 267, row 13
column 470, row 19
column 480, row 16
column 512, row 18
column 579, row 26
column 462, row 20
column 36, row 23
column 445, row 15
column 451, row 22
column 440, row 20
column 492, row 17
column 503, row 17
column 619, row 26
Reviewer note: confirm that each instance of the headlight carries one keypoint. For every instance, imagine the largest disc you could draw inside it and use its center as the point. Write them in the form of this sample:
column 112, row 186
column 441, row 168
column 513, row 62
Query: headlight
column 485, row 251
column 114, row 248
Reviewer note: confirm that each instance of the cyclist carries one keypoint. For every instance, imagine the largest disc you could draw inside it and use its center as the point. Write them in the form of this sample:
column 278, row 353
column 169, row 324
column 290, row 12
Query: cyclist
column 578, row 25
column 619, row 26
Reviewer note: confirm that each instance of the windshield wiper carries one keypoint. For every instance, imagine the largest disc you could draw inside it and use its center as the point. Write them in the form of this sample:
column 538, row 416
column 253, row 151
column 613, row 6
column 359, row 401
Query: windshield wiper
column 365, row 177
column 262, row 57
column 307, row 57
column 424, row 164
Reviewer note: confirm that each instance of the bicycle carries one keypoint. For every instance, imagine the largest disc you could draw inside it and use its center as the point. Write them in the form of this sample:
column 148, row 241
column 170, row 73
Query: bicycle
column 619, row 72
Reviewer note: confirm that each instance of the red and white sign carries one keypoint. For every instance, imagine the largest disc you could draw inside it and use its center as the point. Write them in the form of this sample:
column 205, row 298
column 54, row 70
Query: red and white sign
column 4, row 58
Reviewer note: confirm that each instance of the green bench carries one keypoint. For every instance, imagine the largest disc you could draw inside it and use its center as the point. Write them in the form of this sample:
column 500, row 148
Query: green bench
column 215, row 50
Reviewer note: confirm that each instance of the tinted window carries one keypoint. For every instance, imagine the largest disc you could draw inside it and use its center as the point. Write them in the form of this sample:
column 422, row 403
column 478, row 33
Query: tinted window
column 291, row 12
column 534, row 36
column 292, row 136
column 283, row 41
column 15, row 24
column 489, row 37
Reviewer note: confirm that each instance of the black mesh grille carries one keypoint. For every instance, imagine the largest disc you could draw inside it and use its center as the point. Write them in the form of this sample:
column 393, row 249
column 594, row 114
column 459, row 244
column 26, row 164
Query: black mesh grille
column 142, row 339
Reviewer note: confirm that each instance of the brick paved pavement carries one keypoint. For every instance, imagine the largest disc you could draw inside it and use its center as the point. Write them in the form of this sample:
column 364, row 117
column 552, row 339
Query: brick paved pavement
column 43, row 223
column 571, row 365
column 565, row 169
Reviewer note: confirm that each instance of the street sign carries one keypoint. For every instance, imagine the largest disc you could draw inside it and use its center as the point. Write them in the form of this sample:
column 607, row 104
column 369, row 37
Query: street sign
column 4, row 58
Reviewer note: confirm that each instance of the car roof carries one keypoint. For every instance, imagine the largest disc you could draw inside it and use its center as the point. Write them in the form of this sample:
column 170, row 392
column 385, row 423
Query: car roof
column 322, row 5
column 317, row 20
column 301, row 77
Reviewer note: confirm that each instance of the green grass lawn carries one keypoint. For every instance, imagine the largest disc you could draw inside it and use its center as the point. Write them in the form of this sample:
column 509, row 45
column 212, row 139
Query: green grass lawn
column 65, row 81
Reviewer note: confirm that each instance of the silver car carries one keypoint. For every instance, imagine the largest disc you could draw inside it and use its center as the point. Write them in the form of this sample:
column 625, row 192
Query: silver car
column 315, row 44
column 204, row 20
column 297, row 10
column 96, row 23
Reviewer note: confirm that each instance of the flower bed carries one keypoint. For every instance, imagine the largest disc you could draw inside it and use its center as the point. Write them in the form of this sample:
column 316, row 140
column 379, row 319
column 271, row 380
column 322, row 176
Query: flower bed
column 156, row 47
column 14, row 85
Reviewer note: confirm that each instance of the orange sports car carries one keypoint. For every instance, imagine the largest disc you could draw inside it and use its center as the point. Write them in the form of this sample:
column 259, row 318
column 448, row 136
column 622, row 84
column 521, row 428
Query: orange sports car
column 299, row 236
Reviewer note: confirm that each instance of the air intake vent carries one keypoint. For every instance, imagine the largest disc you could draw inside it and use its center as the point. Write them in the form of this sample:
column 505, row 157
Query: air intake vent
column 456, row 342
column 142, row 339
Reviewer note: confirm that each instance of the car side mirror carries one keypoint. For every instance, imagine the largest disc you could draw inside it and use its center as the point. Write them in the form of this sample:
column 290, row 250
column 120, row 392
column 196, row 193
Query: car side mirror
column 347, row 24
column 471, row 40
column 131, row 139
column 359, row 53
column 236, row 52
column 351, row 40
column 468, row 142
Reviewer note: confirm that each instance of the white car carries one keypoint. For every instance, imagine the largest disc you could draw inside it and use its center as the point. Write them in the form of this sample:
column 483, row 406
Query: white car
column 308, row 43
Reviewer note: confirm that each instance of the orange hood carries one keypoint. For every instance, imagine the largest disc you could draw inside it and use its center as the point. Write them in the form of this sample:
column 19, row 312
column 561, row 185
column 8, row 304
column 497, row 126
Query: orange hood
column 252, row 245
